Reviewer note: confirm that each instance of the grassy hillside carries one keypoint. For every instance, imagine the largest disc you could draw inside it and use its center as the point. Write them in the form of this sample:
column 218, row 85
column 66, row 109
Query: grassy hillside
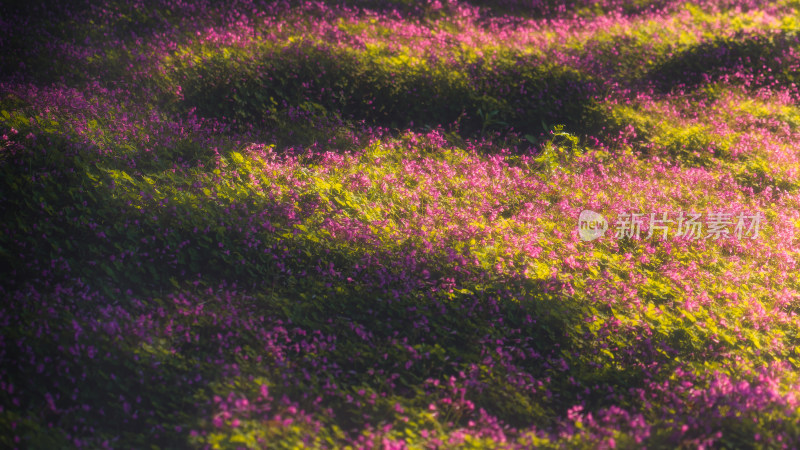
column 356, row 224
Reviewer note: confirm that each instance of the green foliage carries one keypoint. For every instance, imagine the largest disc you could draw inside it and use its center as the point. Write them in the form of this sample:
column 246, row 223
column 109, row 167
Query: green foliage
column 558, row 152
column 302, row 81
column 766, row 56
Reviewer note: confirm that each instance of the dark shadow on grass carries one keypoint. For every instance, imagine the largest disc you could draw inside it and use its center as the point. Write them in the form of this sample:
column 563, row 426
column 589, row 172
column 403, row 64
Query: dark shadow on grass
column 303, row 82
column 758, row 59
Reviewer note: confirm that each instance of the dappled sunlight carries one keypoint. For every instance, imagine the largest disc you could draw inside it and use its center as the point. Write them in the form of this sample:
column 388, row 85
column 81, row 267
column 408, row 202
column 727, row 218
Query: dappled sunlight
column 400, row 225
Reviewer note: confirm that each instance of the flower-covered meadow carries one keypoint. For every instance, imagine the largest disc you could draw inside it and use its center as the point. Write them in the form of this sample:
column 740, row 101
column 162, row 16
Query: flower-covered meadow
column 355, row 224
